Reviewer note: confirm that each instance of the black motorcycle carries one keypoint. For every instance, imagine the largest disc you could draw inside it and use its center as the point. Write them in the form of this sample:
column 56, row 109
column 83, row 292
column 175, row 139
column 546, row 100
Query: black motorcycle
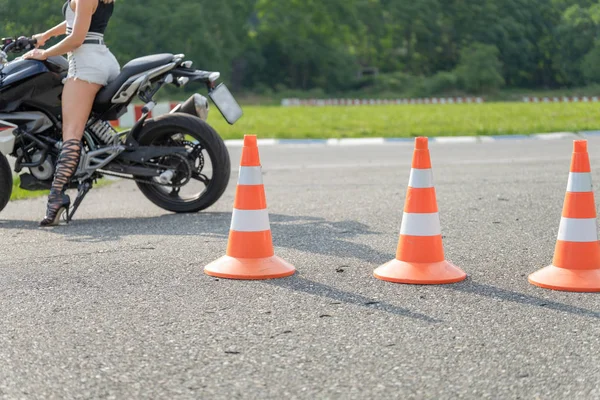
column 177, row 160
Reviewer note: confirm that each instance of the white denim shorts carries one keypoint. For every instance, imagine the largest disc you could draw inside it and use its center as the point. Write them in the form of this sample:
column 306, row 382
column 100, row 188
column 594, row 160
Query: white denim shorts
column 93, row 63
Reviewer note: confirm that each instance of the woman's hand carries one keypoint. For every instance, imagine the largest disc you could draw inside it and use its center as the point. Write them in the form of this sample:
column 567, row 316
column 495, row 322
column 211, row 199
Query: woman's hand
column 35, row 54
column 41, row 39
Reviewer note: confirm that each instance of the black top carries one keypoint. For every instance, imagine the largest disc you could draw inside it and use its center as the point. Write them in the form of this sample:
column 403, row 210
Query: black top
column 100, row 18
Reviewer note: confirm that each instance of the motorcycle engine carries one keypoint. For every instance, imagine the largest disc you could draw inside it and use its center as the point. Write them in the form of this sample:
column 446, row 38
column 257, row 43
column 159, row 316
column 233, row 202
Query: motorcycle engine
column 46, row 170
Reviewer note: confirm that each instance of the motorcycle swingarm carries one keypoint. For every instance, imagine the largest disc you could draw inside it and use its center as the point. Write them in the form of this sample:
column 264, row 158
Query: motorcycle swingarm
column 145, row 153
column 145, row 172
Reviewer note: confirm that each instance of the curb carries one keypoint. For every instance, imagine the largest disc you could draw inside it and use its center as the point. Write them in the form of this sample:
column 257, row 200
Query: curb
column 441, row 140
column 295, row 102
column 575, row 99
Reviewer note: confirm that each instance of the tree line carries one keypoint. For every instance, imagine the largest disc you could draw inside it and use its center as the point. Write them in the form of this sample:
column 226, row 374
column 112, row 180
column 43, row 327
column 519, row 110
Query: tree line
column 418, row 47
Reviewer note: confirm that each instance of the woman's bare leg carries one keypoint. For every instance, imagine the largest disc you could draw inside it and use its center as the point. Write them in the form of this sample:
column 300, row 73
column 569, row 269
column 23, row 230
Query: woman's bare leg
column 77, row 100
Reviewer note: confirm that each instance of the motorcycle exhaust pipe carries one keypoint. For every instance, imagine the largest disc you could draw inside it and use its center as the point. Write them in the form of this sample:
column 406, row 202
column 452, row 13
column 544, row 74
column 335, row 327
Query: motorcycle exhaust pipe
column 196, row 105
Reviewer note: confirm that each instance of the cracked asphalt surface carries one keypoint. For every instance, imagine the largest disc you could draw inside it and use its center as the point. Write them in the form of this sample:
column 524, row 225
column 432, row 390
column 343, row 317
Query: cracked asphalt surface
column 116, row 305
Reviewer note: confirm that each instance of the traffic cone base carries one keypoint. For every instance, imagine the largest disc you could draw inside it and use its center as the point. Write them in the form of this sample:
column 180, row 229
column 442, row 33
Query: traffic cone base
column 420, row 273
column 570, row 280
column 249, row 268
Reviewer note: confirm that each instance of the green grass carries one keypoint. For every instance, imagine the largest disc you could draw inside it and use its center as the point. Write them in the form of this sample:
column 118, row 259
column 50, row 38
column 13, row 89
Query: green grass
column 409, row 120
column 20, row 194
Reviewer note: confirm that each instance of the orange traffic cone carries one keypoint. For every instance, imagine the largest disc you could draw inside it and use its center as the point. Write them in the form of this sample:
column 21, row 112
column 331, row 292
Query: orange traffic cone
column 576, row 264
column 250, row 252
column 420, row 254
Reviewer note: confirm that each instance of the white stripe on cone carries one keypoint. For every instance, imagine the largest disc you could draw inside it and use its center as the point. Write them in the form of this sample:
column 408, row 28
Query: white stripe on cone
column 578, row 230
column 579, row 182
column 420, row 224
column 250, row 176
column 421, row 178
column 250, row 220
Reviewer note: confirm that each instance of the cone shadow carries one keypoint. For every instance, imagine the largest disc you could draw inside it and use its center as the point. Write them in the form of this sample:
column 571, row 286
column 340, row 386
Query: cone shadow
column 516, row 297
column 330, row 238
column 299, row 284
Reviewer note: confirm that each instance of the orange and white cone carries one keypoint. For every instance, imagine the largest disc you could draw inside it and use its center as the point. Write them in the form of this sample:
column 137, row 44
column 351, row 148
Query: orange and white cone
column 420, row 254
column 576, row 264
column 250, row 253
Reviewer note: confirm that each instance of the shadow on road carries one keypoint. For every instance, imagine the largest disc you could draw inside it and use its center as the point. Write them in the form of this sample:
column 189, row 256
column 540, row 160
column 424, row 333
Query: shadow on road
column 304, row 233
column 515, row 297
column 299, row 284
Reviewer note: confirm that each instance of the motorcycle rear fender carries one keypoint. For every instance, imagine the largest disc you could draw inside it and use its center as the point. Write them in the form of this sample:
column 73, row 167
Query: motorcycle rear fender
column 7, row 139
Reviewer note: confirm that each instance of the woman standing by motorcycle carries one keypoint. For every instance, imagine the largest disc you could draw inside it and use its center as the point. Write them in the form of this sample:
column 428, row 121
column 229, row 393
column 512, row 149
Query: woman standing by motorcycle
column 91, row 66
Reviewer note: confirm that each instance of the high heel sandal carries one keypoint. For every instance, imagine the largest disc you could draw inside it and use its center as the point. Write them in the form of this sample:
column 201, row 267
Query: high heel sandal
column 58, row 204
column 58, row 201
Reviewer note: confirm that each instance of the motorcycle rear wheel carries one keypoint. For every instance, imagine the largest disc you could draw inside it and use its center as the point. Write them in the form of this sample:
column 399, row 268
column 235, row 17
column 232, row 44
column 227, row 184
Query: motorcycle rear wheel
column 169, row 129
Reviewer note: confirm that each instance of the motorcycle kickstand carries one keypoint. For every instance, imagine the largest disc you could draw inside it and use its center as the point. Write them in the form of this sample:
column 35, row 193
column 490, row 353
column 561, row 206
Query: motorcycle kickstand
column 82, row 190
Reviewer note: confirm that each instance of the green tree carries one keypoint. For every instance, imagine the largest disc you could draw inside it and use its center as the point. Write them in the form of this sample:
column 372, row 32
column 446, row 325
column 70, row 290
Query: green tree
column 480, row 69
column 591, row 65
column 28, row 17
column 576, row 34
column 308, row 44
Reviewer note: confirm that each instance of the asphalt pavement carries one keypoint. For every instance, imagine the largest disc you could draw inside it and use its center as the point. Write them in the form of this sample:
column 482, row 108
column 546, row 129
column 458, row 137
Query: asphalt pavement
column 116, row 305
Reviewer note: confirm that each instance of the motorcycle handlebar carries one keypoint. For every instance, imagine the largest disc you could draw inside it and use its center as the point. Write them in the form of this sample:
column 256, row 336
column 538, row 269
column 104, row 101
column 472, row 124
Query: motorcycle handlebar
column 10, row 45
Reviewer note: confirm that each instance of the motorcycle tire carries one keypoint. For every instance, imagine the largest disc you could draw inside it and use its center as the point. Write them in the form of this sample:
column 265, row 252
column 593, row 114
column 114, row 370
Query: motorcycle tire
column 210, row 141
column 6, row 181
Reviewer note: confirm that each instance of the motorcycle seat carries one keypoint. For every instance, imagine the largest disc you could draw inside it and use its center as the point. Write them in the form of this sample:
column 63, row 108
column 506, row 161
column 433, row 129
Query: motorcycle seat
column 132, row 68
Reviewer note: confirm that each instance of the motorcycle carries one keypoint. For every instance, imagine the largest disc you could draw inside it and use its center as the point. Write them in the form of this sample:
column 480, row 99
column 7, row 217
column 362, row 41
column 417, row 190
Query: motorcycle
column 177, row 160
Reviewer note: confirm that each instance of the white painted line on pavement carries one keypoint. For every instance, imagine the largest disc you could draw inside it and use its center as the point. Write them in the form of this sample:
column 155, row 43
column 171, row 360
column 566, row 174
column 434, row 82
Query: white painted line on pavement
column 406, row 164
column 553, row 136
column 456, row 139
column 409, row 141
column 267, row 142
column 361, row 141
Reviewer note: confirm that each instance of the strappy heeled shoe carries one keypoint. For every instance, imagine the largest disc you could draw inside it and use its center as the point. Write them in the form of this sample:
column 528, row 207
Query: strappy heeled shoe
column 58, row 204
